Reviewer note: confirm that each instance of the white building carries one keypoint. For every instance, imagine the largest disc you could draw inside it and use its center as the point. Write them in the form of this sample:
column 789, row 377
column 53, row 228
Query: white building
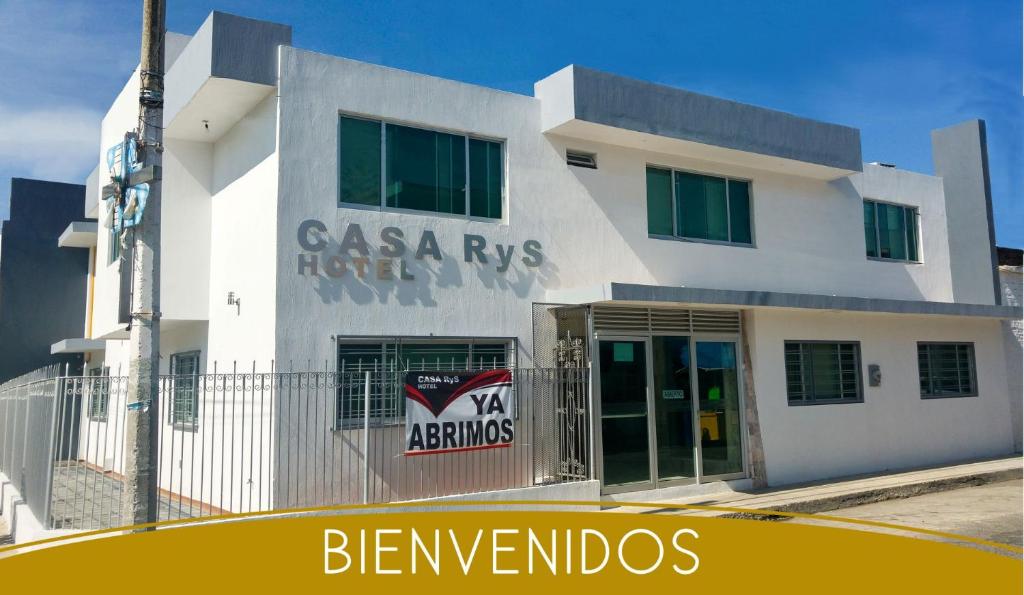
column 756, row 304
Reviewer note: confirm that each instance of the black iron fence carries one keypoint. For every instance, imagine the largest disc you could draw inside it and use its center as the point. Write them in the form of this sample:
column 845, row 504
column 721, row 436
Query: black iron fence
column 251, row 441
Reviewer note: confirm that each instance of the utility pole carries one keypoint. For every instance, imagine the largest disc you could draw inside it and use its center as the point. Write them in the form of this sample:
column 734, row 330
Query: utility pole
column 139, row 496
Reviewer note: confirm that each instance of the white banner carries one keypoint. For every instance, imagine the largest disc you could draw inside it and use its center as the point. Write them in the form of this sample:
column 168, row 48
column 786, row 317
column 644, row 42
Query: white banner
column 458, row 411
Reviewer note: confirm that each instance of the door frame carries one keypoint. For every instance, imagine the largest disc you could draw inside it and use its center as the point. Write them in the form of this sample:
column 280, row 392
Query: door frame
column 653, row 482
column 598, row 435
column 694, row 420
column 740, row 398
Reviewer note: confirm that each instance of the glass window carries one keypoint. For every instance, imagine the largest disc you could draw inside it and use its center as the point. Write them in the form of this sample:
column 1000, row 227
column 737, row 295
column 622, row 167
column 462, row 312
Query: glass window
column 890, row 231
column 659, row 201
column 426, row 170
column 185, row 384
column 423, row 170
column 946, row 370
column 870, row 229
column 706, row 207
column 387, row 361
column 99, row 379
column 739, row 212
column 822, row 372
column 113, row 245
column 485, row 169
column 359, row 161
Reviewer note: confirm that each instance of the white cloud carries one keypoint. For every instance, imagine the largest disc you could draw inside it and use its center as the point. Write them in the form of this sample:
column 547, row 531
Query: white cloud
column 62, row 64
column 50, row 143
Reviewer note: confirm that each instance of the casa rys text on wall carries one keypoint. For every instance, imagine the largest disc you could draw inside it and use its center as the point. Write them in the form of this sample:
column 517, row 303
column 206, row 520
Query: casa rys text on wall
column 384, row 256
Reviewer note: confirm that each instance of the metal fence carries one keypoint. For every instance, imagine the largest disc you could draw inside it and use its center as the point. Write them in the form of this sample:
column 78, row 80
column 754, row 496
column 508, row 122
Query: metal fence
column 252, row 441
column 26, row 422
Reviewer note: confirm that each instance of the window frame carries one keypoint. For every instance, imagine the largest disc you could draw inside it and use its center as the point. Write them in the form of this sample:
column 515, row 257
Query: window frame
column 103, row 378
column 172, row 419
column 391, row 345
column 858, row 363
column 906, row 244
column 382, row 203
column 728, row 212
column 113, row 246
column 972, row 363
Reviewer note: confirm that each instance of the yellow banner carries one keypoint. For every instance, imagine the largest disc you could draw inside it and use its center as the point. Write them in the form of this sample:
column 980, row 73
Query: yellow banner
column 493, row 551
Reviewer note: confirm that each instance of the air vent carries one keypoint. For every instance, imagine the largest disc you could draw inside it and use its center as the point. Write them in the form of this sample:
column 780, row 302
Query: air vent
column 626, row 319
column 578, row 159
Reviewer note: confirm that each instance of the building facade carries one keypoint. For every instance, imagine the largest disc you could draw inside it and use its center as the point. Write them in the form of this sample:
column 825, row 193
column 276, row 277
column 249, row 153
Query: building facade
column 754, row 303
column 42, row 286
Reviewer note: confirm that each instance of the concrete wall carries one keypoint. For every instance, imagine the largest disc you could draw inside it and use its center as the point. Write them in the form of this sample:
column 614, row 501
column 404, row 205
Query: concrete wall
column 42, row 286
column 185, row 230
column 1010, row 279
column 242, row 257
column 893, row 428
column 960, row 154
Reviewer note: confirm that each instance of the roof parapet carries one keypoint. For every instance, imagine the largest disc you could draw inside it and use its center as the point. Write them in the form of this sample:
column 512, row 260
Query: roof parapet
column 579, row 101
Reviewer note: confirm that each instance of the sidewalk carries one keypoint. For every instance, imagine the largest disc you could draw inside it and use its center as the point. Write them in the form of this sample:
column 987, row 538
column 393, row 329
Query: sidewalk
column 845, row 492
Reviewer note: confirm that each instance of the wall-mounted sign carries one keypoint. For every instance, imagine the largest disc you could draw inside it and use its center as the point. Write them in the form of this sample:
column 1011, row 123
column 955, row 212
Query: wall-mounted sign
column 673, row 394
column 386, row 259
column 457, row 411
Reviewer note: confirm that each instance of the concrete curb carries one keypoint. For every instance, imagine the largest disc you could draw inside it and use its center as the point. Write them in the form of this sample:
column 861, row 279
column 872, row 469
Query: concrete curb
column 869, row 496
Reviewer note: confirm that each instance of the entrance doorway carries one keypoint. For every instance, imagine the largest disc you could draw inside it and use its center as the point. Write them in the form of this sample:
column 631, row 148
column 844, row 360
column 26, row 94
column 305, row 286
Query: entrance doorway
column 670, row 411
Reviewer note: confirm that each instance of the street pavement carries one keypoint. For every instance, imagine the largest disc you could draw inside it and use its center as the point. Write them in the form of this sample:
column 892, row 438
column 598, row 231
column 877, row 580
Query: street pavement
column 992, row 512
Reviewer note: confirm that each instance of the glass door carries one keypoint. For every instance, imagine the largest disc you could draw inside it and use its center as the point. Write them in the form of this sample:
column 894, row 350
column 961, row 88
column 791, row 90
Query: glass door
column 625, row 437
column 673, row 408
column 718, row 400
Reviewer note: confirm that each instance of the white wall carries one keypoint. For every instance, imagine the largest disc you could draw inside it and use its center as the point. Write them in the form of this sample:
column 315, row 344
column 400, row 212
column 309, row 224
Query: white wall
column 449, row 297
column 244, row 239
column 893, row 428
column 185, row 230
column 1010, row 281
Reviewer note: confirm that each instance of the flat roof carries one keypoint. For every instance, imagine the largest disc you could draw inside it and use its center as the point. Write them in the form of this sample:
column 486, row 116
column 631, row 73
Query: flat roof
column 631, row 292
column 602, row 98
column 77, row 345
column 78, row 234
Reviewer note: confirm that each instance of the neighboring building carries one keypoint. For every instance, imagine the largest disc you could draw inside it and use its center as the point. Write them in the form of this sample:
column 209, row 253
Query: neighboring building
column 755, row 301
column 42, row 287
column 1010, row 268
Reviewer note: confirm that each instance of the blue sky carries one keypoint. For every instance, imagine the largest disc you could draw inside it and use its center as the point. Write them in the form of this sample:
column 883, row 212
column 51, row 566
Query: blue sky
column 896, row 70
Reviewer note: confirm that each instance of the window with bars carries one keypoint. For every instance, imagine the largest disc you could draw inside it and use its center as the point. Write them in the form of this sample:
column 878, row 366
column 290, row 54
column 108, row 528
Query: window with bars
column 890, row 231
column 820, row 372
column 698, row 207
column 113, row 246
column 99, row 402
column 184, row 404
column 403, row 167
column 387, row 361
column 946, row 370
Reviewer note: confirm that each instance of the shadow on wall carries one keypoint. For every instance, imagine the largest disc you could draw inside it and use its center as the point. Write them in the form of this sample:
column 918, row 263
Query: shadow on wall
column 356, row 270
column 246, row 145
